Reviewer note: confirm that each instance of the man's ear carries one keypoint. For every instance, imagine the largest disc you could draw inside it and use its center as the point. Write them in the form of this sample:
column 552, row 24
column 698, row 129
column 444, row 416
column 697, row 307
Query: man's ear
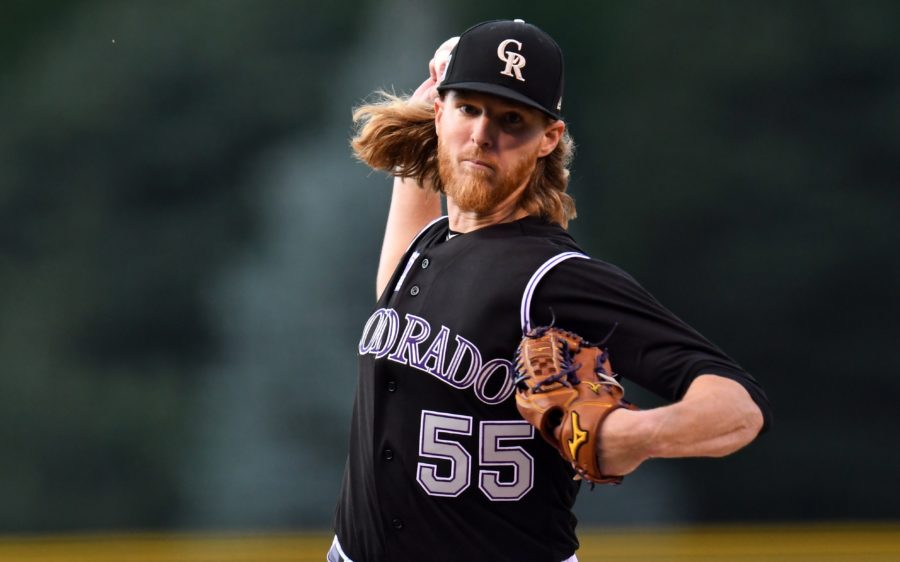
column 438, row 111
column 552, row 135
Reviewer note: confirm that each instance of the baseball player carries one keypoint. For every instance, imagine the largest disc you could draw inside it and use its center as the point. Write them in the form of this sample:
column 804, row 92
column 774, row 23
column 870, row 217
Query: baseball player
column 442, row 466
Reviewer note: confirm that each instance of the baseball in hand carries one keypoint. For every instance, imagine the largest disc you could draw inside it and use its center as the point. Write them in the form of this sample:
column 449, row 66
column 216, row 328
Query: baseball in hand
column 438, row 64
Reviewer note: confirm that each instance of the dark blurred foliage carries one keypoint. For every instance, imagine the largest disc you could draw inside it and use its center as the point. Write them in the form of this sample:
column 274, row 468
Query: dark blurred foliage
column 738, row 158
column 127, row 128
column 747, row 173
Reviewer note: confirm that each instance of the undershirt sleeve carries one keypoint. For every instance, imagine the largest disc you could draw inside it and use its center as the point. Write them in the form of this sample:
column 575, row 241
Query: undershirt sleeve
column 647, row 343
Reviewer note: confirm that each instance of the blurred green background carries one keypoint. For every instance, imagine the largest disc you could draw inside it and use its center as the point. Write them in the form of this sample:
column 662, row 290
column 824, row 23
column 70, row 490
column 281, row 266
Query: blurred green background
column 188, row 249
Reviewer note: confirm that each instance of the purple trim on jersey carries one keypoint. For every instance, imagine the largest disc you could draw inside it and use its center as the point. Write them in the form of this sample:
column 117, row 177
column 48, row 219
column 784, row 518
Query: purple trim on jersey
column 415, row 255
column 407, row 351
column 373, row 343
column 435, row 354
column 466, row 368
column 525, row 311
column 421, row 232
column 409, row 264
column 484, row 376
column 462, row 346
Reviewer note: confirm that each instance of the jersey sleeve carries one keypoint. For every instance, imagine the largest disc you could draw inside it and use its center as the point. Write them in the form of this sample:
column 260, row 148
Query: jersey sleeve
column 648, row 344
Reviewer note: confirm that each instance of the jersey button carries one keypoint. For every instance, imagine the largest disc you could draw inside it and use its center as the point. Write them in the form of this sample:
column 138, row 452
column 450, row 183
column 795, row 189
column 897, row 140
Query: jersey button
column 397, row 524
column 388, row 454
column 414, row 290
column 392, row 386
column 425, row 263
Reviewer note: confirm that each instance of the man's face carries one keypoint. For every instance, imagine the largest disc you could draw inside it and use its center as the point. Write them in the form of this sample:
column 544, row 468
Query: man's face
column 488, row 147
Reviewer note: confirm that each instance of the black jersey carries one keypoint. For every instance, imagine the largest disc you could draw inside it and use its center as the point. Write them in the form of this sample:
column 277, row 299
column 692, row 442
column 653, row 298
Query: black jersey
column 441, row 466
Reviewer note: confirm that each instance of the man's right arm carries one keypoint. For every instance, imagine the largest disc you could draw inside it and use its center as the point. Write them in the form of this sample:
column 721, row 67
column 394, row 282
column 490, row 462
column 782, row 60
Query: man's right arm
column 412, row 206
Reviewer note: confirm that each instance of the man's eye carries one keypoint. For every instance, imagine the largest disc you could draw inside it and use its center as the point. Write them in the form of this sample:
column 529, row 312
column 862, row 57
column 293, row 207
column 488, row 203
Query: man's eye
column 512, row 118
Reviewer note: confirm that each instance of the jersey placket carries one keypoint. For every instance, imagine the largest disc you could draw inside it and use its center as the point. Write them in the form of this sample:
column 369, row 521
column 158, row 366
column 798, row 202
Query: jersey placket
column 398, row 516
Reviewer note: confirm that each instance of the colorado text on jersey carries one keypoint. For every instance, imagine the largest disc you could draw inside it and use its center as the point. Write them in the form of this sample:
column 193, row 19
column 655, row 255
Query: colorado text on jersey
column 491, row 381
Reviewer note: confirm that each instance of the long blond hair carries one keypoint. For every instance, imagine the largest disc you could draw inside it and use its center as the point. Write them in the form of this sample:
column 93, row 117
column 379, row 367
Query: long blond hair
column 397, row 135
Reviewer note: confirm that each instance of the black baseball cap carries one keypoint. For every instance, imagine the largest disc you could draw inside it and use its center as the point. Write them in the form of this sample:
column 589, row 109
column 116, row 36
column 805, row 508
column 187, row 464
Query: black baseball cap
column 511, row 59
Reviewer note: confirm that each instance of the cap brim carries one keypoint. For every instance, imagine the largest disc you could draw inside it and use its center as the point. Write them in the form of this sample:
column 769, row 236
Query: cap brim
column 500, row 91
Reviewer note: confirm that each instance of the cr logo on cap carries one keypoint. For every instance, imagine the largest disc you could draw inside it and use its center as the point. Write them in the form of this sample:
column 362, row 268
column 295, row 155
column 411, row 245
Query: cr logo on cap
column 514, row 61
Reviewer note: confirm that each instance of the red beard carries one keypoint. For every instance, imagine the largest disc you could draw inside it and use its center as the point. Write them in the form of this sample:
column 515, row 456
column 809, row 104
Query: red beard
column 480, row 190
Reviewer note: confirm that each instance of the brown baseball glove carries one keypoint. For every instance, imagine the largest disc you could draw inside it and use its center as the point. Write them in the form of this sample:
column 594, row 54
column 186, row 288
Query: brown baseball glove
column 566, row 388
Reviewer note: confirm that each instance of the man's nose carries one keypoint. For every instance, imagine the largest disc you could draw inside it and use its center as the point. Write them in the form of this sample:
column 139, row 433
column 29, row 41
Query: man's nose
column 483, row 131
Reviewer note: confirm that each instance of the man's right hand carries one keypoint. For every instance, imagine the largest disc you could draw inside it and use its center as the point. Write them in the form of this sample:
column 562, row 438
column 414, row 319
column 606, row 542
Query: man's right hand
column 427, row 92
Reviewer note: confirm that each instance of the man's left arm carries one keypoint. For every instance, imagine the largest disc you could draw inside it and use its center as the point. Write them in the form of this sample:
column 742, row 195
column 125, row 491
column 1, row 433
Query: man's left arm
column 716, row 417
